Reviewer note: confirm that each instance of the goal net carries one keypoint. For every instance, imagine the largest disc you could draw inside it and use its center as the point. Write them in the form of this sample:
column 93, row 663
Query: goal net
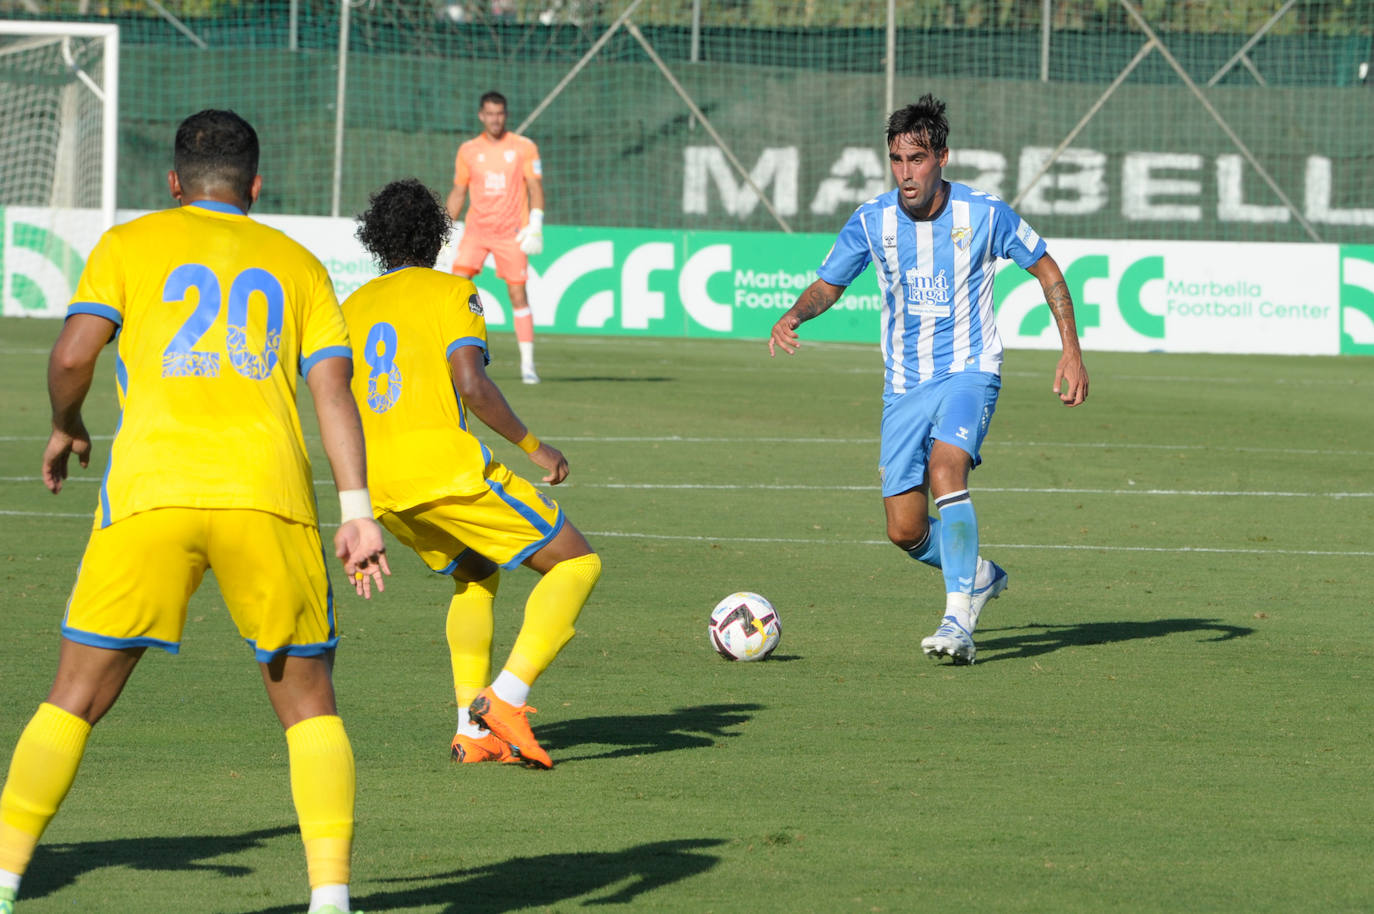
column 58, row 135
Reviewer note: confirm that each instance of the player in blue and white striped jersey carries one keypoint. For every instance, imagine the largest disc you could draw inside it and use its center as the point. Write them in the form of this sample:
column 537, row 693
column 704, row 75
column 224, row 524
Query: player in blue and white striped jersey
column 934, row 245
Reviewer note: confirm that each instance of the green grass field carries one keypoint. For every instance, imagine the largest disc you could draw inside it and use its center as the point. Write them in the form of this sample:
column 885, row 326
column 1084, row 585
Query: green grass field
column 1170, row 711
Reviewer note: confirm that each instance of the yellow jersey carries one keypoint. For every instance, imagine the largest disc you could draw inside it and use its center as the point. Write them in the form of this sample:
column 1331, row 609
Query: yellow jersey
column 216, row 315
column 404, row 325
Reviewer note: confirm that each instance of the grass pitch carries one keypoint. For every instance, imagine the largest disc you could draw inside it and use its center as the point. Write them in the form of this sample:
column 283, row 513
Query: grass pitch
column 1170, row 711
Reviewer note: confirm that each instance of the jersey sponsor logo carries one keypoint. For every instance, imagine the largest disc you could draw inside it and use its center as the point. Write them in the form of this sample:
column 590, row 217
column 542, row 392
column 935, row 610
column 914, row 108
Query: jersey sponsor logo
column 475, row 304
column 961, row 235
column 1027, row 235
column 495, row 182
column 927, row 296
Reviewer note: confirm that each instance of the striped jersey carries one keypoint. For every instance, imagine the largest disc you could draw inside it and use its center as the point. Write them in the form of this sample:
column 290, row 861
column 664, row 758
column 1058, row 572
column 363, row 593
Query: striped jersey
column 420, row 444
column 216, row 317
column 935, row 278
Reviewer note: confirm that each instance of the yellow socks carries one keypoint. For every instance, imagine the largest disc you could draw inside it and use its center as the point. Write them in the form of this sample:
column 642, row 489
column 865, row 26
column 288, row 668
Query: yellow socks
column 469, row 629
column 41, row 772
column 323, row 785
column 550, row 612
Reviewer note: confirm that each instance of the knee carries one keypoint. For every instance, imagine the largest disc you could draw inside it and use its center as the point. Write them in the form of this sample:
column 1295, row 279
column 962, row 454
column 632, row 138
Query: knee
column 906, row 534
column 588, row 567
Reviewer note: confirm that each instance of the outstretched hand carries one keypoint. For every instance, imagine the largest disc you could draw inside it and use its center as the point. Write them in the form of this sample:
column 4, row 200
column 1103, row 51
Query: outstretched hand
column 785, row 336
column 358, row 543
column 62, row 446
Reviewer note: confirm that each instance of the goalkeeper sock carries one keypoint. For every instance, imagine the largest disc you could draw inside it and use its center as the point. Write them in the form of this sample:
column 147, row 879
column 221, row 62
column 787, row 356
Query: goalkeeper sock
column 42, row 770
column 550, row 611
column 323, row 782
column 958, row 550
column 524, row 331
column 469, row 631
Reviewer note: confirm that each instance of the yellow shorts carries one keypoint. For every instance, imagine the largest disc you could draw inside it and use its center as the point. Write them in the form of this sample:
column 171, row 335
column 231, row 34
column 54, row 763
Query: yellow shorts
column 138, row 574
column 507, row 523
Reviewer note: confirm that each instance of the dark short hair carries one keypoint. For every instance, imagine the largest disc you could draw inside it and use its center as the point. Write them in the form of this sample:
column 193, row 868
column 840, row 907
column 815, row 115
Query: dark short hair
column 405, row 225
column 924, row 121
column 494, row 97
column 216, row 149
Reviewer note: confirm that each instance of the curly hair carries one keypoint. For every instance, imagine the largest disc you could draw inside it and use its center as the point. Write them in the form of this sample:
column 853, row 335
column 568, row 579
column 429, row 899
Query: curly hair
column 924, row 122
column 405, row 225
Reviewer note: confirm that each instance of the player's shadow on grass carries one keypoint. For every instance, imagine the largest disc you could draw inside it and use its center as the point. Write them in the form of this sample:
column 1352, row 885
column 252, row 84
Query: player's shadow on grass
column 1034, row 638
column 56, row 866
column 698, row 727
column 545, row 881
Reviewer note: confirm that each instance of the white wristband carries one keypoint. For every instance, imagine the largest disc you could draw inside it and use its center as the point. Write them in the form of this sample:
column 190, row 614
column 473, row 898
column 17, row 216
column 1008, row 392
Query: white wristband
column 537, row 219
column 353, row 504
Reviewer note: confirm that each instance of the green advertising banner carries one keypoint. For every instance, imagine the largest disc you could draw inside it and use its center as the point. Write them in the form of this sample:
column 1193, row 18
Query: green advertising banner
column 692, row 284
column 1357, row 299
column 1143, row 296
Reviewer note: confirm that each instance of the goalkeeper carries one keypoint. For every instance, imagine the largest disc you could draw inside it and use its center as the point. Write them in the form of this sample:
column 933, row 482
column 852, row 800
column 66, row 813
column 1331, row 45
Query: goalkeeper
column 498, row 173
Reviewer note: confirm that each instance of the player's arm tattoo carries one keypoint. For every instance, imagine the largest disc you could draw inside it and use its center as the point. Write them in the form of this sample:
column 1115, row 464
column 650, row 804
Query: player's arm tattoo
column 1061, row 306
column 815, row 299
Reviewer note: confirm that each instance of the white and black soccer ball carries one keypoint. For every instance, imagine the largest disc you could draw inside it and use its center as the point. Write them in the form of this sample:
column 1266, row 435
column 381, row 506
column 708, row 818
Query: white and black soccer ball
column 744, row 626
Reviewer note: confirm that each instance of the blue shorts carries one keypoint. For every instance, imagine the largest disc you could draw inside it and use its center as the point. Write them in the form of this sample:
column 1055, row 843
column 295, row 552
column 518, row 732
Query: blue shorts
column 956, row 409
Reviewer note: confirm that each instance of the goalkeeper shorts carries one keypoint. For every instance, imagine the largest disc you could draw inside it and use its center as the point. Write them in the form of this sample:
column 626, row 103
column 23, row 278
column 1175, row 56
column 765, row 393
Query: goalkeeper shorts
column 511, row 263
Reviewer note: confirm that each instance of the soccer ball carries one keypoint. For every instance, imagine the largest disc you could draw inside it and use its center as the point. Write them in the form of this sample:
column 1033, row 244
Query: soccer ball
column 744, row 626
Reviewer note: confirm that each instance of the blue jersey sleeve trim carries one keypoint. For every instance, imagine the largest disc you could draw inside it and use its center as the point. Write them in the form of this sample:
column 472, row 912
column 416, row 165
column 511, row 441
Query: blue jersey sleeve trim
column 469, row 341
column 96, row 308
column 328, row 352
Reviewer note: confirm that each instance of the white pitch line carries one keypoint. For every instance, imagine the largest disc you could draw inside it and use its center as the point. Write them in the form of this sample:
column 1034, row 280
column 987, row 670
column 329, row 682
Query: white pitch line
column 765, row 487
column 980, row 490
column 680, row 537
column 991, row 445
column 89, row 515
column 1050, row 546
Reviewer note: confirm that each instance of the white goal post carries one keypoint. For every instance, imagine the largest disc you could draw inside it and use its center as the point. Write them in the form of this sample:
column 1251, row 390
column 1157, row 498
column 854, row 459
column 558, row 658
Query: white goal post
column 59, row 115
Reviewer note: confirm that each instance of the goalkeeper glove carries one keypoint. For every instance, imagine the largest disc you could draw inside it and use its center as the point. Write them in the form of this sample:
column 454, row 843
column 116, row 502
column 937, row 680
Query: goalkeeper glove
column 531, row 237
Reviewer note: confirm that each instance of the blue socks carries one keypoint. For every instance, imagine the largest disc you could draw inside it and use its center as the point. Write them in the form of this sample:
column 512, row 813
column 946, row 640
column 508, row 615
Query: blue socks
column 958, row 536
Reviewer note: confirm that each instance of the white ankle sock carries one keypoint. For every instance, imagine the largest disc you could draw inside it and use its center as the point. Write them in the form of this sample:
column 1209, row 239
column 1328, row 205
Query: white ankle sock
column 511, row 688
column 957, row 605
column 336, row 894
